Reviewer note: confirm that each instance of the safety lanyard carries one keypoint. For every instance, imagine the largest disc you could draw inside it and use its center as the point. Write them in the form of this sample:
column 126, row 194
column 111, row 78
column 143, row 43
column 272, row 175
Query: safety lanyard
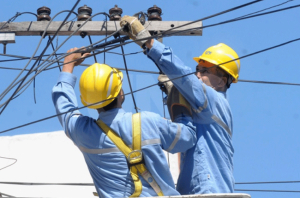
column 134, row 156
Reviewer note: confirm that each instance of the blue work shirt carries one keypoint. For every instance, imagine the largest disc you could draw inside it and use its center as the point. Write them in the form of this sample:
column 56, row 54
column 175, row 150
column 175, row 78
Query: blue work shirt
column 107, row 165
column 207, row 167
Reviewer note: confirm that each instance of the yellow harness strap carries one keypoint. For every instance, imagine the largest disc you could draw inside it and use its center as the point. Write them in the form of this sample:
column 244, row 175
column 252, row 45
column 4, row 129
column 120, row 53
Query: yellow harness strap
column 134, row 156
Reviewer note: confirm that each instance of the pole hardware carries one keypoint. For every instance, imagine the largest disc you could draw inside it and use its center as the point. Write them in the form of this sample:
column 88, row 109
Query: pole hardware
column 43, row 14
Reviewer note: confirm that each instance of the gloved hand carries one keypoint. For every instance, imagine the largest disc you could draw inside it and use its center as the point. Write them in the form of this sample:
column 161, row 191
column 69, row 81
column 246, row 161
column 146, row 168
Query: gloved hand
column 135, row 30
column 176, row 103
column 165, row 86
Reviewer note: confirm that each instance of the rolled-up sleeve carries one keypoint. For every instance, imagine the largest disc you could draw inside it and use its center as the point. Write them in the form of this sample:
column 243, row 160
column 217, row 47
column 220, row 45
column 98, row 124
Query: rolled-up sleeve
column 193, row 89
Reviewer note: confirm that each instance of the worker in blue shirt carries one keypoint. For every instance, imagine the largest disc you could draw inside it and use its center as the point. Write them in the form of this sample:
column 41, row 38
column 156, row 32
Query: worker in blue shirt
column 142, row 172
column 207, row 167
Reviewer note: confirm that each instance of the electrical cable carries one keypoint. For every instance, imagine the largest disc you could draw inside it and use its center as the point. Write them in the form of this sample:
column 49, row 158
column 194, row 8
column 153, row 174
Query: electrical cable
column 126, row 69
column 268, row 82
column 129, row 82
column 228, row 21
column 43, row 35
column 248, row 54
column 49, row 40
column 1, row 193
column 90, row 39
column 267, row 8
column 9, row 164
column 16, row 16
column 36, row 60
column 30, row 80
column 268, row 182
column 289, row 191
column 265, row 50
column 49, row 57
column 43, row 51
column 214, row 15
column 149, row 86
column 239, row 17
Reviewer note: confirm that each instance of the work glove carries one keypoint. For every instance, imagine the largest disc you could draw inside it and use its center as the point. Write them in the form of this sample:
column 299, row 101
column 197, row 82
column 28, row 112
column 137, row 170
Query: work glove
column 176, row 103
column 135, row 30
column 164, row 83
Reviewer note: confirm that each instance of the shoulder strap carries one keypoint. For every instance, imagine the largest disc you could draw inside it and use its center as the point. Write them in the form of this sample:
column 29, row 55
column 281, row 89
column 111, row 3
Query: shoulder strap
column 134, row 156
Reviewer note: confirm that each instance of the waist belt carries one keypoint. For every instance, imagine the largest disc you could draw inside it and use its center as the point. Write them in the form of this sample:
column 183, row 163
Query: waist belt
column 134, row 156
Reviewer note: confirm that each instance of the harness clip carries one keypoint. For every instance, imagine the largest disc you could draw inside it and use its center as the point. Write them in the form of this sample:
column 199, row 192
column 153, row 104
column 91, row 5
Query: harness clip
column 134, row 157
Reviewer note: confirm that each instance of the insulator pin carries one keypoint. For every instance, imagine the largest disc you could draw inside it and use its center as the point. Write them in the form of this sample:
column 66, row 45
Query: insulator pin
column 84, row 13
column 154, row 14
column 115, row 13
column 43, row 14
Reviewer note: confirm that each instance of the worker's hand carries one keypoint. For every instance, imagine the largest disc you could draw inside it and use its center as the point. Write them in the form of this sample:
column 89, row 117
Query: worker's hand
column 73, row 60
column 165, row 86
column 177, row 104
column 135, row 30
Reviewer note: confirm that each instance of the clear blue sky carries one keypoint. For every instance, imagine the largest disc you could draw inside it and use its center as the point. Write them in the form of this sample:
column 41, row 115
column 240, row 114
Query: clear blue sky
column 266, row 117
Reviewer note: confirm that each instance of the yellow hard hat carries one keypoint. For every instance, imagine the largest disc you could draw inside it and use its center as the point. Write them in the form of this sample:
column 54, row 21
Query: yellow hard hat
column 222, row 53
column 98, row 84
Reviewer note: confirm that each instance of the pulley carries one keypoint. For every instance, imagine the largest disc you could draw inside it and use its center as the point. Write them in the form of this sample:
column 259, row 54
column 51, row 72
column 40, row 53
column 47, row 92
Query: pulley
column 84, row 13
column 43, row 14
column 115, row 13
column 154, row 13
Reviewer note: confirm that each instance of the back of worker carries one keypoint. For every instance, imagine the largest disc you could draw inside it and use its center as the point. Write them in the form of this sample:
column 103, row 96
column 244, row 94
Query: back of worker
column 107, row 165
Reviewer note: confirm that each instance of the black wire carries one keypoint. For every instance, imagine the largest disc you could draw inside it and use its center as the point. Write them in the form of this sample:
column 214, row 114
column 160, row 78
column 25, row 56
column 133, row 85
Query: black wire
column 268, row 182
column 39, row 58
column 105, row 37
column 268, row 82
column 289, row 191
column 146, row 86
column 230, row 21
column 90, row 39
column 1, row 193
column 235, row 19
column 23, row 79
column 239, row 58
column 34, row 98
column 125, row 64
column 214, row 15
column 126, row 69
column 9, row 164
column 16, row 16
column 49, row 40
column 252, row 53
column 266, row 8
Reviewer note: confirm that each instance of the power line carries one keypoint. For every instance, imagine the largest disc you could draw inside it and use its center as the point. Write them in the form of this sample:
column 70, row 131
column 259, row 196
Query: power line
column 15, row 161
column 214, row 15
column 268, row 182
column 39, row 58
column 155, row 85
column 289, row 191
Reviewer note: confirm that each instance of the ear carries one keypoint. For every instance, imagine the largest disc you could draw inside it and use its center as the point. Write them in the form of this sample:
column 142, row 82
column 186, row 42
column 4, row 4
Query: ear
column 222, row 82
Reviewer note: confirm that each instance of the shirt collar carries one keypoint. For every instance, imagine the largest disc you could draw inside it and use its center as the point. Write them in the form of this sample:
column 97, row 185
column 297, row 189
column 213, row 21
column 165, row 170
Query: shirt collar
column 113, row 112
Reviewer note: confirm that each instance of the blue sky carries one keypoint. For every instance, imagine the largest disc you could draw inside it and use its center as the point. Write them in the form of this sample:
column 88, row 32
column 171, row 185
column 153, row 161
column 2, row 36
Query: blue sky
column 266, row 117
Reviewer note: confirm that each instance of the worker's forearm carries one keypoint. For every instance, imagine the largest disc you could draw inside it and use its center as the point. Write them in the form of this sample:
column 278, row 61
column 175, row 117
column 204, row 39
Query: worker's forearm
column 149, row 43
column 68, row 67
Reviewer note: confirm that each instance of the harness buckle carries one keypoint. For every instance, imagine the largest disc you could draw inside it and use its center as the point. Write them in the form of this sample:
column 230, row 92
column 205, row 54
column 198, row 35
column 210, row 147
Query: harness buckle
column 135, row 157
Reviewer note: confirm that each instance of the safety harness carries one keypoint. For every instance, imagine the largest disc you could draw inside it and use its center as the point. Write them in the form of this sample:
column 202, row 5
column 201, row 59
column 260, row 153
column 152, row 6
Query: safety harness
column 133, row 155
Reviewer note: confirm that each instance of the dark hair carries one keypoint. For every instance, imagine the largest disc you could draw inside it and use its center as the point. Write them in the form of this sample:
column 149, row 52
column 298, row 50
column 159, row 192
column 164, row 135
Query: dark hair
column 111, row 105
